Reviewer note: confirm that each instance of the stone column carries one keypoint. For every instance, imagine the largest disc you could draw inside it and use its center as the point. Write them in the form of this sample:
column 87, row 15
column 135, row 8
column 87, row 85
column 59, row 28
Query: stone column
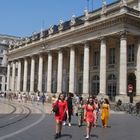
column 13, row 75
column 40, row 72
column 25, row 75
column 8, row 77
column 86, row 70
column 3, row 84
column 19, row 75
column 60, row 71
column 123, row 65
column 32, row 74
column 72, row 70
column 139, row 5
column 49, row 73
column 103, row 67
column 138, row 69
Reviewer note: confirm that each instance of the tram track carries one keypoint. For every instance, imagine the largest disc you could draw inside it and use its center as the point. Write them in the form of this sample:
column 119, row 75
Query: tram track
column 30, row 117
column 10, row 113
column 15, row 117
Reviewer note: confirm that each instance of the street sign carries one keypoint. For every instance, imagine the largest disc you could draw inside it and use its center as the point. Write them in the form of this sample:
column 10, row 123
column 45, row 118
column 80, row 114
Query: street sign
column 130, row 88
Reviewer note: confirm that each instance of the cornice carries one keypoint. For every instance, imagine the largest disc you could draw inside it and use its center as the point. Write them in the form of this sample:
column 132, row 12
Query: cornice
column 125, row 18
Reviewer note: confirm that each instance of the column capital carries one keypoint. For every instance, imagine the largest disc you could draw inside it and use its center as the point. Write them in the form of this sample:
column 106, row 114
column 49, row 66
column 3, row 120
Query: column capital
column 123, row 34
column 9, row 62
column 70, row 45
column 86, row 42
column 20, row 59
column 60, row 50
column 49, row 52
column 33, row 57
column 40, row 54
column 14, row 61
column 25, row 58
column 102, row 38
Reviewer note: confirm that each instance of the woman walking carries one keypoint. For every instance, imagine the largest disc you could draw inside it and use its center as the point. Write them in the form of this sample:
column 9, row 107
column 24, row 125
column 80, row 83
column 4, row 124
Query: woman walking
column 89, row 116
column 70, row 108
column 105, row 113
column 96, row 111
column 80, row 111
column 60, row 114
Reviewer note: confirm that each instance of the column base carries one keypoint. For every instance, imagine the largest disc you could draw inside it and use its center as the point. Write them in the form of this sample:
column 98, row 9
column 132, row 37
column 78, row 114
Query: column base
column 123, row 98
column 49, row 96
column 136, row 98
column 102, row 96
column 85, row 95
column 57, row 94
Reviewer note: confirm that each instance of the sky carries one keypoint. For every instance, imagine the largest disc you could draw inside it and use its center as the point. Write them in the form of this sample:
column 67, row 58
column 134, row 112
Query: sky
column 23, row 17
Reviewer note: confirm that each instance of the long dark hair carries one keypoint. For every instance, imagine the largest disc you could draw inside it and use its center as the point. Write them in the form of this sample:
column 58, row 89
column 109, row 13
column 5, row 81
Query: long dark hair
column 89, row 99
column 60, row 95
column 106, row 101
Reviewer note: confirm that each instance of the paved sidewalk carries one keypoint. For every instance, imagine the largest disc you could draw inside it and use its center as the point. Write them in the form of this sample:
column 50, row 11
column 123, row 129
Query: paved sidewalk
column 5, row 108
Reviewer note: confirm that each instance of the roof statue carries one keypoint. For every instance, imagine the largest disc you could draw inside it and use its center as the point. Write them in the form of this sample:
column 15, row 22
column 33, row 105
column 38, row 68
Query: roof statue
column 104, row 4
column 123, row 3
column 73, row 20
column 27, row 40
column 86, row 14
column 41, row 33
column 50, row 29
column 61, row 24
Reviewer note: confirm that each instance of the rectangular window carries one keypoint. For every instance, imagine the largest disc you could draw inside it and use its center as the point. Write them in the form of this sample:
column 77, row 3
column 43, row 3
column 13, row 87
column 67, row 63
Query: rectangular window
column 96, row 58
column 81, row 62
column 130, row 53
column 111, row 55
column 1, row 60
column 16, row 73
column 0, row 79
column 1, row 51
column 11, row 71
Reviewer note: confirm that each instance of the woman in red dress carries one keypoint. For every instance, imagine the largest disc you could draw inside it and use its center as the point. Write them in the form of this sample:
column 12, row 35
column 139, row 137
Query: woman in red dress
column 59, row 117
column 89, row 115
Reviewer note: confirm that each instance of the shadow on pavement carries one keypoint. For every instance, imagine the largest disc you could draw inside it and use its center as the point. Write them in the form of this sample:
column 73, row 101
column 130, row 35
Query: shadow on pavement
column 108, row 126
column 66, row 135
column 95, row 136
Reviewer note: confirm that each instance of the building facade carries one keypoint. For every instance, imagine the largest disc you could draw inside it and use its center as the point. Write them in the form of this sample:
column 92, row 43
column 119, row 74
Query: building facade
column 97, row 53
column 4, row 45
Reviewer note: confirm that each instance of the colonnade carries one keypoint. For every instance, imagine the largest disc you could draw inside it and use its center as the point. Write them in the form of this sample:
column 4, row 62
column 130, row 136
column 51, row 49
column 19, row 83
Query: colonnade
column 86, row 69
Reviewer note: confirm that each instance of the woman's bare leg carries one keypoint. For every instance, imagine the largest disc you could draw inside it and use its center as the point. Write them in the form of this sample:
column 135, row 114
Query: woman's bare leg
column 88, row 129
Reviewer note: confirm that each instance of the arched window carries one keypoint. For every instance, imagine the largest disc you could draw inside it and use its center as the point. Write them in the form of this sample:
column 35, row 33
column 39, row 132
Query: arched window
column 112, row 86
column 95, row 85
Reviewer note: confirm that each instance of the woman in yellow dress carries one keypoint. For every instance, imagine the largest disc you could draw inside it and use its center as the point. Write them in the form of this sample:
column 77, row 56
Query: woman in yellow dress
column 105, row 113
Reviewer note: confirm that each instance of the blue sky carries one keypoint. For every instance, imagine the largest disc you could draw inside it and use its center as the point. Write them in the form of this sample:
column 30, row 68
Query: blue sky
column 23, row 17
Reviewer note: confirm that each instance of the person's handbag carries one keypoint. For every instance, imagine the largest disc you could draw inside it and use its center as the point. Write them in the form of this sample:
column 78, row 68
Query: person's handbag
column 56, row 108
column 76, row 114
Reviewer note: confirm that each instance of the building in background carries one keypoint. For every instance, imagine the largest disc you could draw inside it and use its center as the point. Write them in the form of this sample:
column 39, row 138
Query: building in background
column 97, row 53
column 5, row 40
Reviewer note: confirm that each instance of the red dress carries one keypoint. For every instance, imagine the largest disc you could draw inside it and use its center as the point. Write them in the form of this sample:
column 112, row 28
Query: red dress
column 63, row 107
column 89, row 113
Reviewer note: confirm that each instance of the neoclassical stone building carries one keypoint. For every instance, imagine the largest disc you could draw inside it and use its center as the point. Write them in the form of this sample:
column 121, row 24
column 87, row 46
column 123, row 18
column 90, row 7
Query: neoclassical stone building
column 97, row 53
column 4, row 45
